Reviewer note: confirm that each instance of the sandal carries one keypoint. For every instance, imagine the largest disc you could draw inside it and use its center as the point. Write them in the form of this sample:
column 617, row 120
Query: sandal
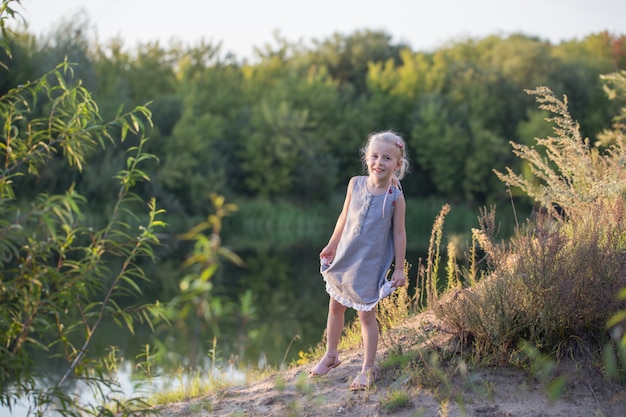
column 365, row 379
column 327, row 363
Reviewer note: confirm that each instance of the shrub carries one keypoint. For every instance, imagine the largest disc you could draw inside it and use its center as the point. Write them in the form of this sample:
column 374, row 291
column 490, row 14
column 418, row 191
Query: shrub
column 554, row 282
column 60, row 275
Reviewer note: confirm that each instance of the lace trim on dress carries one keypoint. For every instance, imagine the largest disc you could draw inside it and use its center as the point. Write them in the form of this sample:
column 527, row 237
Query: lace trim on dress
column 344, row 301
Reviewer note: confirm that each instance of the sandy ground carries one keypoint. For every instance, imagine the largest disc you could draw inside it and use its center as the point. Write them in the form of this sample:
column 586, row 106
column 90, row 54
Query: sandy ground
column 490, row 392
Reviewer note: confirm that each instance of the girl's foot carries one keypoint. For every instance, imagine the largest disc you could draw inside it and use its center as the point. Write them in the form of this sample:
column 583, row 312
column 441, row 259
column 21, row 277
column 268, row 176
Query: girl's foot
column 365, row 379
column 327, row 363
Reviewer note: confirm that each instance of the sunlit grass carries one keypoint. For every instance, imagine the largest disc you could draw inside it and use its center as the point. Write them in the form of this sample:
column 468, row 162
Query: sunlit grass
column 192, row 389
column 201, row 384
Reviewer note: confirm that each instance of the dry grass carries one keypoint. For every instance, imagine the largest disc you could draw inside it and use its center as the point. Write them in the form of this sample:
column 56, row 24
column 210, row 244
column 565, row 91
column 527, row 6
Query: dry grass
column 554, row 284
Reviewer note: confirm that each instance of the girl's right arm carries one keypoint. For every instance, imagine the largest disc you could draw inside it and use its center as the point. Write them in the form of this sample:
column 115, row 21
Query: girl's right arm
column 329, row 250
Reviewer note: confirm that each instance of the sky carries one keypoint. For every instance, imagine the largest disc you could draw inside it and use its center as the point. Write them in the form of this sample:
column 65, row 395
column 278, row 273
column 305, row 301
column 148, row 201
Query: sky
column 242, row 25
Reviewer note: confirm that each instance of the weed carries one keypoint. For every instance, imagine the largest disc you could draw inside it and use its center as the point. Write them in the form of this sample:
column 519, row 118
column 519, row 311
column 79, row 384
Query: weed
column 303, row 384
column 553, row 283
column 398, row 359
column 200, row 406
column 395, row 400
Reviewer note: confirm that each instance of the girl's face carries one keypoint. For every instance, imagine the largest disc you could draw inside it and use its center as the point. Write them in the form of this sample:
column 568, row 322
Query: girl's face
column 383, row 159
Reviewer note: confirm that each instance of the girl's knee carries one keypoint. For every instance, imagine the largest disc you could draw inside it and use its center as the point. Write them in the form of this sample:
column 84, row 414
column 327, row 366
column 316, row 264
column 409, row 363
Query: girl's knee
column 367, row 317
column 335, row 307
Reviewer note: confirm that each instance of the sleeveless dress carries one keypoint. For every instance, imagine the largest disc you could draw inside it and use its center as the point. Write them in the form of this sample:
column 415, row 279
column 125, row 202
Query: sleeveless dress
column 365, row 250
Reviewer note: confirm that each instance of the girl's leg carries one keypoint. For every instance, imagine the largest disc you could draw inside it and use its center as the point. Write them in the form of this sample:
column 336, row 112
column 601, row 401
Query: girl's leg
column 369, row 330
column 334, row 327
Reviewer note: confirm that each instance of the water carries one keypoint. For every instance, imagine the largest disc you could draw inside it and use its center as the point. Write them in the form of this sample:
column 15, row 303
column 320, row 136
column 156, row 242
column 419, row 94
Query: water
column 129, row 386
column 286, row 314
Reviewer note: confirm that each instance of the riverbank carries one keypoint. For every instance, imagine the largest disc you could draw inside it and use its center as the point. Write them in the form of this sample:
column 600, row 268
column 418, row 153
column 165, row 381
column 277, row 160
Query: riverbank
column 485, row 391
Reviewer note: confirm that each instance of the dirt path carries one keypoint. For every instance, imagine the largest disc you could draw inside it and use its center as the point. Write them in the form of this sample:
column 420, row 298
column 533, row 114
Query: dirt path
column 494, row 392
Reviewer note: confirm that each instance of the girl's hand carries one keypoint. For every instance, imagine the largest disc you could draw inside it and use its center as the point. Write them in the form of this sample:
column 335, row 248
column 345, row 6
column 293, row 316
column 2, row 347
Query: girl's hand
column 329, row 253
column 398, row 279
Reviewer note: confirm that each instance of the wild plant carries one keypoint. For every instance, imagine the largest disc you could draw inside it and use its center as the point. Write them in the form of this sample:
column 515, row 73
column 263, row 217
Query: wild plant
column 61, row 275
column 428, row 275
column 614, row 351
column 195, row 308
column 554, row 282
column 573, row 176
column 395, row 401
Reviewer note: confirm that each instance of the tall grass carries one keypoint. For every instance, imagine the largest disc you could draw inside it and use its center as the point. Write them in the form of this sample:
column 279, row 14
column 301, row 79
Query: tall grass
column 554, row 282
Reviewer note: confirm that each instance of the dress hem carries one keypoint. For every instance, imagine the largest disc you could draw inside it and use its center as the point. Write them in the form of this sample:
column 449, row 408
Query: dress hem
column 345, row 302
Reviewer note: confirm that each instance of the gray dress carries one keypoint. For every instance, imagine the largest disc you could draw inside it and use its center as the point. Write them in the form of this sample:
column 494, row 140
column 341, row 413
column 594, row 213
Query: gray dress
column 365, row 250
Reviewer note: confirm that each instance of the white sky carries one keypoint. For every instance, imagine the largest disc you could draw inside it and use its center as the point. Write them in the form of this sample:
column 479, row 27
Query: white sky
column 241, row 25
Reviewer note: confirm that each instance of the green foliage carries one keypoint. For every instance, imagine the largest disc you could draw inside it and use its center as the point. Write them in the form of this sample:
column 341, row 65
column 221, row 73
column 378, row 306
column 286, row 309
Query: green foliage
column 272, row 148
column 521, row 59
column 195, row 306
column 279, row 224
column 284, row 149
column 614, row 353
column 615, row 88
column 543, row 368
column 348, row 57
column 6, row 12
column 434, row 135
column 486, row 149
column 395, row 400
column 61, row 277
column 198, row 156
column 290, row 124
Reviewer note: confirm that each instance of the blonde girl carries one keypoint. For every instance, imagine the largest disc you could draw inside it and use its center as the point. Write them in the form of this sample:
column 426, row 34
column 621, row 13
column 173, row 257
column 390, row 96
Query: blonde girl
column 369, row 235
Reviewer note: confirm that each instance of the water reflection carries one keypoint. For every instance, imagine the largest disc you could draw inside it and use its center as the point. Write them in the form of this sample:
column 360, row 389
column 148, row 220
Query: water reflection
column 129, row 385
column 264, row 312
column 287, row 314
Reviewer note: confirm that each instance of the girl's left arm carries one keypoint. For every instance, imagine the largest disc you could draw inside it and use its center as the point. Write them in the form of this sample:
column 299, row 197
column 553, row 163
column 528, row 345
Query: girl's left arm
column 399, row 242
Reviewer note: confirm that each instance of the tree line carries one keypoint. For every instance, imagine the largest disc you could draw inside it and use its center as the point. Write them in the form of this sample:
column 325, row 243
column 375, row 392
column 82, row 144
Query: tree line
column 289, row 124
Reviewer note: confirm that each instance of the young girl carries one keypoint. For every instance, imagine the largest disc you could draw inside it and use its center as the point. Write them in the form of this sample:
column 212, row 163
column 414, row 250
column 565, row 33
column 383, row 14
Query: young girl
column 368, row 236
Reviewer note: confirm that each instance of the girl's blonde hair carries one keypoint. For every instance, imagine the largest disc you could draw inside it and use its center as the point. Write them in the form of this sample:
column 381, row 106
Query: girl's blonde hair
column 392, row 138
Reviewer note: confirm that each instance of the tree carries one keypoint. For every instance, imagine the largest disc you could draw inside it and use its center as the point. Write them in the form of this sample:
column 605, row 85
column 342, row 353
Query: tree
column 348, row 57
column 198, row 158
column 270, row 152
column 61, row 275
column 441, row 145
